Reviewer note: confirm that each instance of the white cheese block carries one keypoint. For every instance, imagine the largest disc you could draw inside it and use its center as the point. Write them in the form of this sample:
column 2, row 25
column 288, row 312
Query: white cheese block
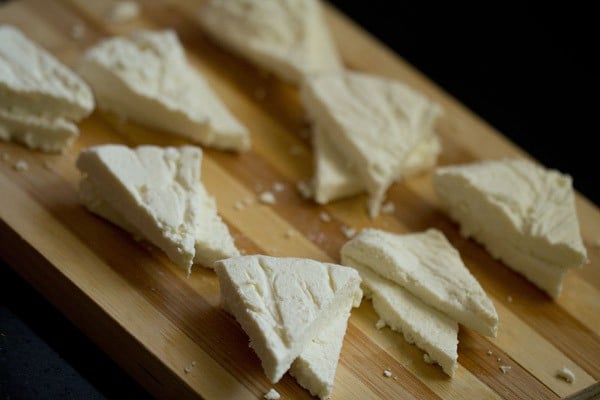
column 39, row 96
column 376, row 124
column 213, row 240
column 426, row 327
column 335, row 176
column 156, row 194
column 429, row 267
column 284, row 303
column 147, row 78
column 37, row 132
column 315, row 368
column 287, row 37
column 523, row 213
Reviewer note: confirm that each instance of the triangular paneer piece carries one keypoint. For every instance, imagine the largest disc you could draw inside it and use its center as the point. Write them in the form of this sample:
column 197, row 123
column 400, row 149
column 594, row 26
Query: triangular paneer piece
column 523, row 213
column 156, row 194
column 429, row 267
column 315, row 368
column 377, row 125
column 284, row 303
column 147, row 78
column 335, row 177
column 287, row 37
column 426, row 327
column 40, row 98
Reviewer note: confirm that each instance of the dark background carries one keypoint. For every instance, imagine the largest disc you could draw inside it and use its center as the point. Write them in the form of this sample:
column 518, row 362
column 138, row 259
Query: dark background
column 526, row 69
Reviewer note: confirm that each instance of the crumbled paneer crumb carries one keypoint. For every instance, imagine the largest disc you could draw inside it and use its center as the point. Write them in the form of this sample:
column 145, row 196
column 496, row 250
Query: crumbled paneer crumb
column 324, row 216
column 123, row 11
column 239, row 205
column 395, row 377
column 318, row 238
column 388, row 208
column 21, row 165
column 380, row 324
column 387, row 373
column 509, row 299
column 505, row 368
column 260, row 93
column 489, row 353
column 190, row 367
column 77, row 31
column 278, row 187
column 427, row 358
column 247, row 201
column 267, row 198
column 272, row 394
column 348, row 231
column 499, row 359
column 290, row 233
column 566, row 374
column 304, row 189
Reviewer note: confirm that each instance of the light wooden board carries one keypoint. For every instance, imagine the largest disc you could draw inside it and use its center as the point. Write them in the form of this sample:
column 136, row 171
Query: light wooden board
column 154, row 322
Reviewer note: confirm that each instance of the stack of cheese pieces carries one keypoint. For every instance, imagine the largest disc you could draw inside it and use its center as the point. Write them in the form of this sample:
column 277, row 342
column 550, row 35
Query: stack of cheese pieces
column 368, row 132
column 295, row 312
column 147, row 78
column 523, row 213
column 40, row 98
column 420, row 287
column 156, row 194
column 287, row 37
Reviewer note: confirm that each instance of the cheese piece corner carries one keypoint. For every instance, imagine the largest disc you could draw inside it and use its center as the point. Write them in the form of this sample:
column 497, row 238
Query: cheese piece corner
column 287, row 37
column 146, row 77
column 368, row 132
column 427, row 265
column 523, row 213
column 41, row 99
column 156, row 194
column 284, row 303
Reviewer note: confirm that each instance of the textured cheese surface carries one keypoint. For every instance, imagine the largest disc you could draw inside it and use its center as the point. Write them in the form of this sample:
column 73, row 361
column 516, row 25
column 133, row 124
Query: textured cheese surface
column 375, row 123
column 523, row 213
column 213, row 240
column 37, row 132
column 287, row 37
column 32, row 79
column 38, row 95
column 283, row 303
column 429, row 267
column 315, row 368
column 147, row 78
column 335, row 177
column 158, row 192
column 428, row 328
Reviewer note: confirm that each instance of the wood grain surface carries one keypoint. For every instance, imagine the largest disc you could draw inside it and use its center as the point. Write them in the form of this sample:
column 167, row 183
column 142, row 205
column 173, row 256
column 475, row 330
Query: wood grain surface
column 141, row 309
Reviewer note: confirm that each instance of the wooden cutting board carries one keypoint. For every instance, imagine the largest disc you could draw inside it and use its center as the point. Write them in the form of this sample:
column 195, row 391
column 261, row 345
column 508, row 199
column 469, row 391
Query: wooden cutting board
column 170, row 333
